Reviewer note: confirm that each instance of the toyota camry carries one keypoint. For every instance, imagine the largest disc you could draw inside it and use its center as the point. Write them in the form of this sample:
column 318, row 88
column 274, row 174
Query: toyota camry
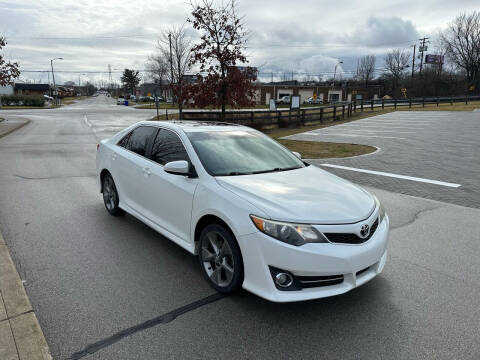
column 256, row 215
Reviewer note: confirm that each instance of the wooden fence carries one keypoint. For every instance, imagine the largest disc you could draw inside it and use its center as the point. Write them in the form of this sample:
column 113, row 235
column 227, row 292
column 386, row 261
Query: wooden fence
column 266, row 119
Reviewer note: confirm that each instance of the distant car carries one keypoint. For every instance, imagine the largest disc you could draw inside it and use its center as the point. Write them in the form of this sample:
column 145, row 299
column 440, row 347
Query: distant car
column 48, row 98
column 133, row 98
column 120, row 101
column 312, row 100
column 283, row 100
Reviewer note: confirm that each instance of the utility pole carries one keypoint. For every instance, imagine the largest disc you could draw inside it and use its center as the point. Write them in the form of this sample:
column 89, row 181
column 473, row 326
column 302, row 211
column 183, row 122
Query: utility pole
column 413, row 61
column 422, row 49
column 53, row 76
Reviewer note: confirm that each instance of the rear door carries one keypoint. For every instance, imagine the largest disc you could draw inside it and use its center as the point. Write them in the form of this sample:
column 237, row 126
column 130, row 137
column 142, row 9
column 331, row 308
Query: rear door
column 131, row 167
column 171, row 195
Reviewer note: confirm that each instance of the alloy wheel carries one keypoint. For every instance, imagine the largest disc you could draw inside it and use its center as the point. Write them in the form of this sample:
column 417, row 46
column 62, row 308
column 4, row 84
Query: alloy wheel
column 217, row 259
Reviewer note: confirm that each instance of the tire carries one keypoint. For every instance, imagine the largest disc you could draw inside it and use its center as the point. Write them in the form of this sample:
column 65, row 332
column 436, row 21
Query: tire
column 220, row 259
column 110, row 195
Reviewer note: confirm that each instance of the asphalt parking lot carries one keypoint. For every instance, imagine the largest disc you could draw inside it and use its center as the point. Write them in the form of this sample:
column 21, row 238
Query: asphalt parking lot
column 111, row 288
column 440, row 147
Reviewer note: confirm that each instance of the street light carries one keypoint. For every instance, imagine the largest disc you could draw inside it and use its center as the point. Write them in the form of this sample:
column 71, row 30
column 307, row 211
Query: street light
column 53, row 76
column 335, row 72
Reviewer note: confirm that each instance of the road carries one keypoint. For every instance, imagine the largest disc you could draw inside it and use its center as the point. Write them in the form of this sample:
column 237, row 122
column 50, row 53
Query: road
column 90, row 276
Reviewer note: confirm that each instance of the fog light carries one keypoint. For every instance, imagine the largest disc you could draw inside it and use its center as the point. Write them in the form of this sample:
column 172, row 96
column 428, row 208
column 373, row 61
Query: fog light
column 283, row 279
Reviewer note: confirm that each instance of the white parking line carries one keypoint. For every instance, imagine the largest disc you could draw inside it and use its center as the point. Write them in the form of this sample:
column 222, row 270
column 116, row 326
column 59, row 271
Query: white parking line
column 436, row 182
column 374, row 131
column 356, row 135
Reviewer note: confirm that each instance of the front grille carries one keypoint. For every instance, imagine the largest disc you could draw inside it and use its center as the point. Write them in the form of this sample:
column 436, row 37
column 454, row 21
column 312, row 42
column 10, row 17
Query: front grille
column 344, row 238
column 317, row 281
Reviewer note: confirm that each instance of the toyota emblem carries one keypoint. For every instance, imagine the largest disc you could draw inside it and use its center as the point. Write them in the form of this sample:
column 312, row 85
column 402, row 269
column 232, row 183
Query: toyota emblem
column 364, row 230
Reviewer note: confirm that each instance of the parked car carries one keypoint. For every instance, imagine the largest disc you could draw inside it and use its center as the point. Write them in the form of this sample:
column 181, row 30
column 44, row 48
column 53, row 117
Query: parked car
column 120, row 101
column 283, row 100
column 254, row 213
column 312, row 100
column 48, row 98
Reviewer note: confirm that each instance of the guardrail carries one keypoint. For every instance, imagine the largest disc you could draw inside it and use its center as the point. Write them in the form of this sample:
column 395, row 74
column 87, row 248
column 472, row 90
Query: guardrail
column 267, row 119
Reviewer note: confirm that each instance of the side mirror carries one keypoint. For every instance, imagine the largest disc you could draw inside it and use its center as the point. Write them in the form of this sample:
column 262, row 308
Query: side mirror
column 297, row 154
column 180, row 167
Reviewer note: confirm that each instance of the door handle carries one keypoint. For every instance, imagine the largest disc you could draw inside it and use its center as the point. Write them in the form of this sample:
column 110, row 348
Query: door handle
column 146, row 171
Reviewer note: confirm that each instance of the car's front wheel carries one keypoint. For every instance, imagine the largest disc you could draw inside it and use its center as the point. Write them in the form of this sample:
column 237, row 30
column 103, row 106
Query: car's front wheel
column 220, row 259
column 110, row 195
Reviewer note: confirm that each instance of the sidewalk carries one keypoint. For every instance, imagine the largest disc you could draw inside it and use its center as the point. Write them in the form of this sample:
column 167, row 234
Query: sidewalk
column 21, row 337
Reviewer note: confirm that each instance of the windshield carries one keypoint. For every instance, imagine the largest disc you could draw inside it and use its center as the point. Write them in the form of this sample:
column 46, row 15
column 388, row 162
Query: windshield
column 225, row 153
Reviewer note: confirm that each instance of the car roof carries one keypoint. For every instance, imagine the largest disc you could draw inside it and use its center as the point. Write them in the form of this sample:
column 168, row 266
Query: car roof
column 197, row 125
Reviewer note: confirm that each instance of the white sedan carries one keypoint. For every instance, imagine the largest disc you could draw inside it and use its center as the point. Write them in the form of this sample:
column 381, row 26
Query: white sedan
column 257, row 216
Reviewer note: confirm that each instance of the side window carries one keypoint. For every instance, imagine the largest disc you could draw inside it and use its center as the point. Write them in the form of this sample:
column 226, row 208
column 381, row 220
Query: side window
column 138, row 139
column 123, row 143
column 168, row 147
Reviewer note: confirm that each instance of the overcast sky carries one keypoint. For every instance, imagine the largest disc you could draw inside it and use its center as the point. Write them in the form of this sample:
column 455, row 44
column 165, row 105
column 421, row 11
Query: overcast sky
column 306, row 37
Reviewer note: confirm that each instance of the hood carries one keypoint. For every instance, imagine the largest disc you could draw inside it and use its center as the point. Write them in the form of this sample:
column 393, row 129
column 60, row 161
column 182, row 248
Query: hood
column 307, row 195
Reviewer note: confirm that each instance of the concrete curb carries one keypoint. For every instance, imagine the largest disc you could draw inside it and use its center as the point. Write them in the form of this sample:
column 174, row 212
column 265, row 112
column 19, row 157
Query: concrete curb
column 21, row 336
column 13, row 128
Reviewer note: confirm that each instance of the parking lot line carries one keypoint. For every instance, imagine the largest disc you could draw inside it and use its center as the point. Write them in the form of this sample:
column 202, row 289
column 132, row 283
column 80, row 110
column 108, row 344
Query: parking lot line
column 380, row 173
column 356, row 135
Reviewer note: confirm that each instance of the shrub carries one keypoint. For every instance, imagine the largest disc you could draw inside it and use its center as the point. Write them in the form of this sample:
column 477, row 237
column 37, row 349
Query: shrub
column 26, row 100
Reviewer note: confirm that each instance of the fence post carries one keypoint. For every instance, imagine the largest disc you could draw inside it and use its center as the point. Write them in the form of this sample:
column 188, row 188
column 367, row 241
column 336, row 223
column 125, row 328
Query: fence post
column 355, row 106
column 466, row 99
column 383, row 103
column 371, row 105
column 252, row 117
column 303, row 116
column 395, row 103
column 451, row 100
column 343, row 111
column 438, row 101
column 321, row 114
column 279, row 114
column 410, row 103
column 423, row 102
column 334, row 112
column 361, row 105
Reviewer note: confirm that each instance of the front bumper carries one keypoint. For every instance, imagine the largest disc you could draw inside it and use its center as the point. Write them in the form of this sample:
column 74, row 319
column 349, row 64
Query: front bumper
column 261, row 251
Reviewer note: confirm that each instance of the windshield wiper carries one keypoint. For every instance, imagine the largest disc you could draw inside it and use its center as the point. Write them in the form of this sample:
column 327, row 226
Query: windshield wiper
column 275, row 170
column 234, row 173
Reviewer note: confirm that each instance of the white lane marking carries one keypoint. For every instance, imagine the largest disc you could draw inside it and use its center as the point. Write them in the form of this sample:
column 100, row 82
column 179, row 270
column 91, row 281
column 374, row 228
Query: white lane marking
column 355, row 135
column 436, row 182
column 89, row 124
column 374, row 131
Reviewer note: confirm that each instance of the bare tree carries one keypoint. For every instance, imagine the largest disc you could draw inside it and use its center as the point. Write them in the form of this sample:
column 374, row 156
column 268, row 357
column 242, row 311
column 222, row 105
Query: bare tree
column 180, row 61
column 158, row 67
column 366, row 68
column 396, row 62
column 462, row 45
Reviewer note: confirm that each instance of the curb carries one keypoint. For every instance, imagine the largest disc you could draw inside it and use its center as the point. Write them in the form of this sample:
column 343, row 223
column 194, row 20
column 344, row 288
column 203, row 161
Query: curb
column 21, row 336
column 20, row 125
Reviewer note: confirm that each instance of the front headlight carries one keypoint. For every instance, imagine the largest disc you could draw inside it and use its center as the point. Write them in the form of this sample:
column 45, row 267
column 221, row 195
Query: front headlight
column 381, row 209
column 293, row 234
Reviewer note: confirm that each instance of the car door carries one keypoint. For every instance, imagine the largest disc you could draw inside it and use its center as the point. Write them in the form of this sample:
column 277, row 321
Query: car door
column 171, row 195
column 131, row 167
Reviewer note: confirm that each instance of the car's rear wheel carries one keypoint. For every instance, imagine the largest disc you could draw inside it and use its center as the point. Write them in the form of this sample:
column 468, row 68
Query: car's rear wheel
column 220, row 259
column 110, row 195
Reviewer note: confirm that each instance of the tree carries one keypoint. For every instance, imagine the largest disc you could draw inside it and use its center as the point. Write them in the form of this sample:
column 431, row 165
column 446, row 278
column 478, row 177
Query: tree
column 130, row 79
column 366, row 68
column 396, row 62
column 8, row 70
column 462, row 44
column 222, row 45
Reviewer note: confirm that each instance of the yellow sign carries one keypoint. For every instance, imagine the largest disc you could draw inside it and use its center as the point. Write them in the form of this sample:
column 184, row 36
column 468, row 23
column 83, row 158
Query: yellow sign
column 149, row 94
column 471, row 88
column 404, row 92
column 314, row 96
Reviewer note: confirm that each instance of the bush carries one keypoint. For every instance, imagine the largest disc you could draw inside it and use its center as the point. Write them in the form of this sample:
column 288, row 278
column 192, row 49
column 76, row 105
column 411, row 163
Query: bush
column 25, row 100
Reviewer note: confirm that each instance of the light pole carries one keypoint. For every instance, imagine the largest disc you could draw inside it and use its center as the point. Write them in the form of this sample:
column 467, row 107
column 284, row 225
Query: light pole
column 334, row 75
column 53, row 76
